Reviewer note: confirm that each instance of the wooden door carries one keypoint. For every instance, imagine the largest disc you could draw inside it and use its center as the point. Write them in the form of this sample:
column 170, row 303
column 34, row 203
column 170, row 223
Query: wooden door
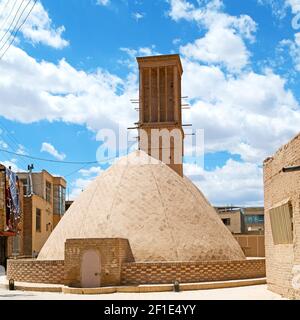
column 90, row 269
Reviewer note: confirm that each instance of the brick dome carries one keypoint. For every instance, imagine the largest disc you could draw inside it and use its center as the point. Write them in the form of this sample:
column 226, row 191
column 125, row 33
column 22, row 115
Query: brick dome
column 164, row 216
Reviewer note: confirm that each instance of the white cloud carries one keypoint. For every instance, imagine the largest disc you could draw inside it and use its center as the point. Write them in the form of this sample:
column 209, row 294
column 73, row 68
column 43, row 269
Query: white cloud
column 138, row 16
column 91, row 171
column 78, row 186
column 235, row 183
column 13, row 163
column 242, row 114
column 130, row 61
column 60, row 92
column 224, row 42
column 38, row 27
column 279, row 7
column 233, row 117
column 103, row 2
column 81, row 183
column 293, row 47
column 294, row 4
column 176, row 41
column 181, row 9
column 219, row 46
column 49, row 148
column 21, row 149
column 3, row 144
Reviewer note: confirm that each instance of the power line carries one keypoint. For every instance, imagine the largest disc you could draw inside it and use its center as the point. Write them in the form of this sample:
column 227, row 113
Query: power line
column 8, row 16
column 55, row 161
column 16, row 32
column 16, row 146
column 75, row 171
column 4, row 7
column 12, row 22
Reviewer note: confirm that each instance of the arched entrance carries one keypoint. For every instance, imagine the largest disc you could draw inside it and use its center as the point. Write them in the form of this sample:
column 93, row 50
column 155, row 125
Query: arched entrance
column 90, row 269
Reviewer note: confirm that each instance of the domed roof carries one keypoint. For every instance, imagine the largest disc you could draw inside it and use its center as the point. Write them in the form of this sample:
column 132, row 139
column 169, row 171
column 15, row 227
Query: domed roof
column 164, row 216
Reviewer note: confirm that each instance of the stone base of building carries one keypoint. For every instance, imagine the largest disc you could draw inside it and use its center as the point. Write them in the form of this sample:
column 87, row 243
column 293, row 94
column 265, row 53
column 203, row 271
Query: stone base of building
column 285, row 292
column 118, row 268
column 35, row 287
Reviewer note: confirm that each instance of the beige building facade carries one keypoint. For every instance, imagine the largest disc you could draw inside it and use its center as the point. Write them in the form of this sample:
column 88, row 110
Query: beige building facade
column 247, row 226
column 233, row 218
column 243, row 220
column 44, row 206
column 282, row 220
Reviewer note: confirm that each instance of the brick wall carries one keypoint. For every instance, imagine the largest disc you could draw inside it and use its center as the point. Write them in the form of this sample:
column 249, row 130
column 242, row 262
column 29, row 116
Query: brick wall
column 252, row 245
column 154, row 273
column 112, row 253
column 280, row 187
column 34, row 271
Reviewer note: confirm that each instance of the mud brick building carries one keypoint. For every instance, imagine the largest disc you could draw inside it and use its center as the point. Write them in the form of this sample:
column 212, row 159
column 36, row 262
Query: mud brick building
column 142, row 220
column 282, row 219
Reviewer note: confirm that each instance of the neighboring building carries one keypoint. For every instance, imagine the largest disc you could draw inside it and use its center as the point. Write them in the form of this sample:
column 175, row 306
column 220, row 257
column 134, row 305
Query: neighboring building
column 233, row 218
column 247, row 226
column 254, row 218
column 11, row 214
column 243, row 220
column 44, row 205
column 282, row 219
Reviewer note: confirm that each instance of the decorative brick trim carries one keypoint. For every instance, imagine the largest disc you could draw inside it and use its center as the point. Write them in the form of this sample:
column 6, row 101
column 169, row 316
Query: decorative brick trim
column 52, row 272
column 187, row 272
column 36, row 271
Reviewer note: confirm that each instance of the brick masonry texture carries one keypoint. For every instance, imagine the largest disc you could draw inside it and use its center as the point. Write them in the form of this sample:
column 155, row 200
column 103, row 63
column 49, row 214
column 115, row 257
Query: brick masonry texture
column 280, row 187
column 33, row 271
column 112, row 253
column 53, row 272
column 188, row 272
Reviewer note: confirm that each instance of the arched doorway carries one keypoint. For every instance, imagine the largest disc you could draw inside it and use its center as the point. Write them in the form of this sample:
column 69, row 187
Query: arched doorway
column 90, row 269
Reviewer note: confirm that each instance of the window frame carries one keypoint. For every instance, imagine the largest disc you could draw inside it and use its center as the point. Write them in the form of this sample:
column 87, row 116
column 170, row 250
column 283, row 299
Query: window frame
column 226, row 219
column 38, row 212
column 281, row 222
column 48, row 190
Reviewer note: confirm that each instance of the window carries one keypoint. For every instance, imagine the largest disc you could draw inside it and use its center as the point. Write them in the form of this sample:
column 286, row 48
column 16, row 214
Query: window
column 48, row 227
column 255, row 219
column 281, row 224
column 226, row 221
column 38, row 220
column 48, row 191
column 59, row 202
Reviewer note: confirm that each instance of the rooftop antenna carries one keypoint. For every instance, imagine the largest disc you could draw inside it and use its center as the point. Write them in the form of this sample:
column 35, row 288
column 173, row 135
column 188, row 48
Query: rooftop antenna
column 29, row 190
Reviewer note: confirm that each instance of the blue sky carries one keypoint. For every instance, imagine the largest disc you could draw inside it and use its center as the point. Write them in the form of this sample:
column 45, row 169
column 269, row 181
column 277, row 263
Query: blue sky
column 71, row 72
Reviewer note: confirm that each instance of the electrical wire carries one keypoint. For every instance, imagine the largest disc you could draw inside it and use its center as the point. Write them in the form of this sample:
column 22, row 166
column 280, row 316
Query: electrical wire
column 12, row 22
column 16, row 32
column 76, row 171
column 4, row 7
column 8, row 16
column 15, row 144
column 56, row 161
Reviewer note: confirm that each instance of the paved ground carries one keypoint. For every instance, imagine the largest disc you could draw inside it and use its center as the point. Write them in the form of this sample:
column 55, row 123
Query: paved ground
column 243, row 293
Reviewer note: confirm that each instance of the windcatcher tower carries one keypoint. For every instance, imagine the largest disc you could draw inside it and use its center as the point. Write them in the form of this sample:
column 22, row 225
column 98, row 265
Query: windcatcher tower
column 160, row 109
